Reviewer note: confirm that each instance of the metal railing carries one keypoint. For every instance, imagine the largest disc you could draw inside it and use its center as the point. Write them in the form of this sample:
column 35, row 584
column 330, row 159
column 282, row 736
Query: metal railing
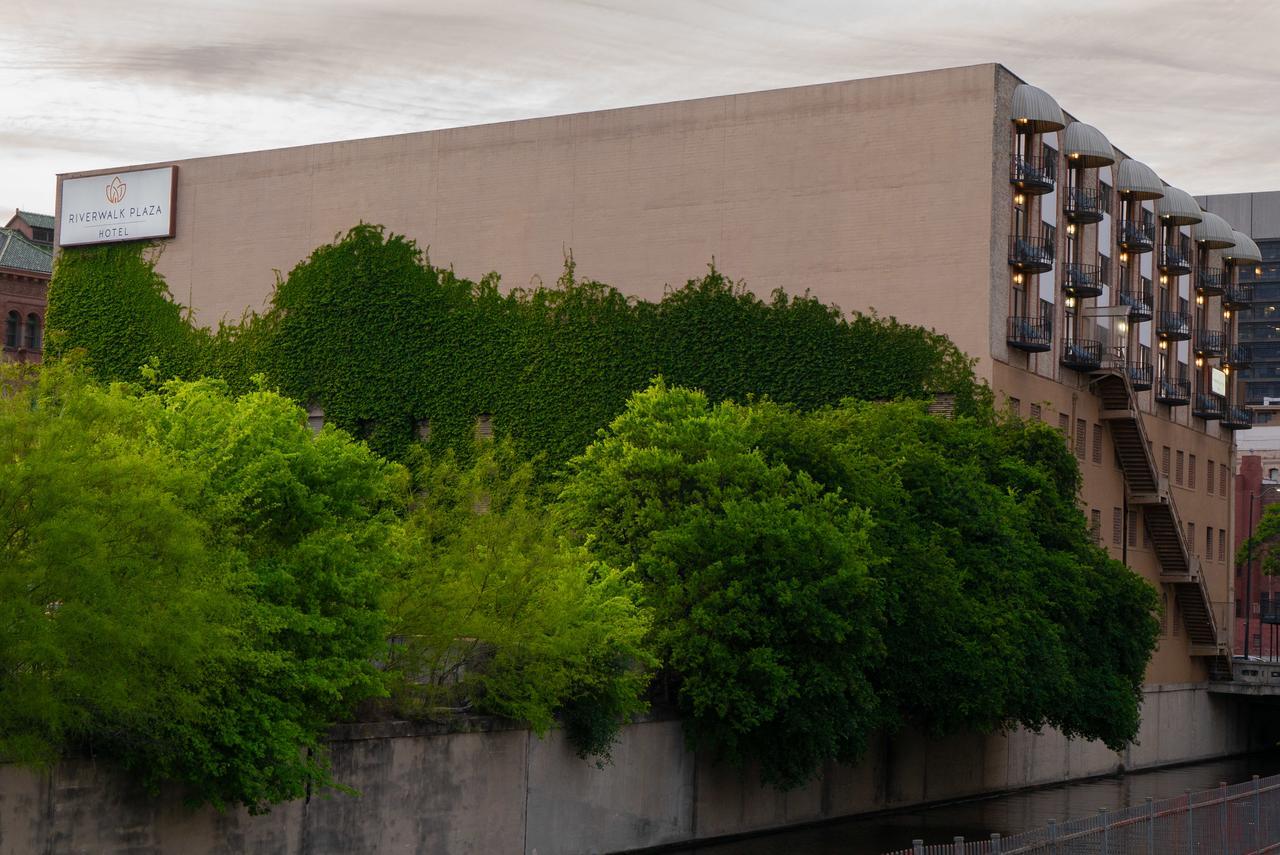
column 1033, row 174
column 1031, row 334
column 1173, row 260
column 1209, row 342
column 1174, row 326
column 1138, row 301
column 1208, row 406
column 1176, row 392
column 1135, row 236
column 1084, row 204
column 1243, row 819
column 1082, row 280
column 1032, row 254
column 1211, row 280
column 1081, row 354
column 1237, row 295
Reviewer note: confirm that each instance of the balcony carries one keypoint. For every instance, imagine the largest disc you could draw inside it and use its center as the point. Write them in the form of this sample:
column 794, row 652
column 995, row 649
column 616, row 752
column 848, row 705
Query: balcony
column 1139, row 303
column 1208, row 406
column 1237, row 418
column 1173, row 393
column 1237, row 356
column 1034, row 335
column 1173, row 261
column 1081, row 354
column 1133, row 236
column 1209, row 343
column 1140, row 375
column 1033, row 175
column 1084, row 205
column 1238, row 295
column 1210, row 281
column 1030, row 254
column 1173, row 326
column 1082, row 280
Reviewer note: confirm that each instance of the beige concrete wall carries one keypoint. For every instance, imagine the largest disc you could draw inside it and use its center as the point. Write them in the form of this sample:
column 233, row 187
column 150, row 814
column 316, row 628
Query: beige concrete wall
column 869, row 193
column 507, row 792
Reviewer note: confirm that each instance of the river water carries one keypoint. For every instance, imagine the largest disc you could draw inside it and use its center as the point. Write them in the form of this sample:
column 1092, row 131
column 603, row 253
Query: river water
column 1008, row 814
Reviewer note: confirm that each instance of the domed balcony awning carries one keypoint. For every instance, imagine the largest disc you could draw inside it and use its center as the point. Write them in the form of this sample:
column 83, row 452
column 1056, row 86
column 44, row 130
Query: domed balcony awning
column 1213, row 232
column 1138, row 181
column 1085, row 146
column 1244, row 252
column 1177, row 208
column 1035, row 110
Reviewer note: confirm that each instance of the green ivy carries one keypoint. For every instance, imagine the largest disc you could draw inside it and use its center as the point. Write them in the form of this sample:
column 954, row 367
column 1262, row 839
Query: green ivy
column 369, row 330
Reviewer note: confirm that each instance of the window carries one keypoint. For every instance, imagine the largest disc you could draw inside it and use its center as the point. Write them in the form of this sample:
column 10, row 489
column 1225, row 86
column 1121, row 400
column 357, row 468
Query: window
column 1095, row 525
column 1015, row 406
column 1222, row 480
column 1191, row 537
column 1273, row 474
column 1208, row 543
column 1173, row 618
column 1222, row 544
column 1097, row 444
column 1164, row 461
column 315, row 418
column 1104, row 269
column 12, row 324
column 1035, row 415
column 1117, row 526
column 1191, row 472
column 33, row 331
column 1063, row 421
column 1133, row 528
column 1081, row 427
column 1208, row 477
column 423, row 429
column 1050, row 234
column 1164, row 614
column 484, row 426
column 1104, row 191
column 1177, row 477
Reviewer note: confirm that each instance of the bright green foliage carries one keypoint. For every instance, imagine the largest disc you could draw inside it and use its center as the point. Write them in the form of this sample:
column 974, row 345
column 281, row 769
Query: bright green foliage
column 494, row 612
column 758, row 580
column 191, row 582
column 816, row 574
column 1261, row 544
column 382, row 340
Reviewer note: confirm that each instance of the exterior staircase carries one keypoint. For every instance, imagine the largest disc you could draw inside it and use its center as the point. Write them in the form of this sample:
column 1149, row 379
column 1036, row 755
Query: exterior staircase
column 1148, row 490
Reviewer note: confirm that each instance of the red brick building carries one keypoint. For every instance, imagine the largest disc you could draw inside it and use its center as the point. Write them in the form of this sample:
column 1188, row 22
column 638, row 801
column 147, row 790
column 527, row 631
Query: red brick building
column 1257, row 595
column 26, row 263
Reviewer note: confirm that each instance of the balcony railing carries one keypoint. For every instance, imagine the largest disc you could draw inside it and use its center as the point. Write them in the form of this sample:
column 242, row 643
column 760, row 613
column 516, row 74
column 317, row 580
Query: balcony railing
column 1139, row 303
column 1208, row 406
column 1140, row 374
column 1173, row 326
column 1082, row 354
column 1237, row 356
column 1238, row 295
column 1030, row 254
column 1173, row 392
column 1172, row 260
column 1084, row 205
column 1033, row 175
column 1082, row 280
column 1209, row 343
column 1135, row 236
column 1034, row 335
column 1237, row 418
column 1210, row 281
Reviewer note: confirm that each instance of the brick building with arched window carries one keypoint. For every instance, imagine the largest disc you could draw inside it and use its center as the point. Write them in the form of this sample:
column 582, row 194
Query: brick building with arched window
column 26, row 263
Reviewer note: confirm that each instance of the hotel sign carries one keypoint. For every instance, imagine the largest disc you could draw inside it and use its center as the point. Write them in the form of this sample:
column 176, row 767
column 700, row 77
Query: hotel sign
column 117, row 206
column 1218, row 379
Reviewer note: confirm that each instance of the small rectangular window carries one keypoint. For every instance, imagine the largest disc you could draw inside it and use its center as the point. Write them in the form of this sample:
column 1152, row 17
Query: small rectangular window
column 1133, row 528
column 1015, row 406
column 1222, row 480
column 315, row 418
column 1191, row 472
column 1097, row 444
column 1181, row 458
column 1035, row 412
column 424, row 430
column 1117, row 526
column 1191, row 537
column 1164, row 461
column 1222, row 544
column 1063, row 421
column 1081, row 427
column 484, row 426
column 1208, row 543
column 1095, row 525
column 1208, row 477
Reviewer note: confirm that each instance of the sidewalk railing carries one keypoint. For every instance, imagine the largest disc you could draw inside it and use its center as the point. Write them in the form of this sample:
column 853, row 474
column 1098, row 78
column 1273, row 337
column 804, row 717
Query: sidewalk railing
column 1243, row 819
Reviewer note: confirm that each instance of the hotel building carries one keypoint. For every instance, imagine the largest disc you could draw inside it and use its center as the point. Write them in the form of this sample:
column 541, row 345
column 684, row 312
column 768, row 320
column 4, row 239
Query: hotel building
column 1095, row 297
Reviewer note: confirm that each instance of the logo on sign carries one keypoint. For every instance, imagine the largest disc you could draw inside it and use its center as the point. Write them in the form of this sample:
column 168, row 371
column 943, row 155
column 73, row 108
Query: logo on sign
column 115, row 191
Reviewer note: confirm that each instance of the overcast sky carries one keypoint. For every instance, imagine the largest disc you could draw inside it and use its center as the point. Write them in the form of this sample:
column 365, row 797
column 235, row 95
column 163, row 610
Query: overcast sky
column 1192, row 88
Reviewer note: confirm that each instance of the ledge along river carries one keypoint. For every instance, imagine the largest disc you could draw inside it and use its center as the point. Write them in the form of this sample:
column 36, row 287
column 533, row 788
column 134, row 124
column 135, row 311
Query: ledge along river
column 1011, row 813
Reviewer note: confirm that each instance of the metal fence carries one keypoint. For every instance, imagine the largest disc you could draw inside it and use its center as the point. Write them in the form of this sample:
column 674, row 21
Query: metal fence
column 1230, row 820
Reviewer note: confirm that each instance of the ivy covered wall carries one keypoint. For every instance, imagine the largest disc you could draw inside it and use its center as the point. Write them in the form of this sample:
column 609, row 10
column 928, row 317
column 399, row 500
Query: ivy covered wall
column 386, row 343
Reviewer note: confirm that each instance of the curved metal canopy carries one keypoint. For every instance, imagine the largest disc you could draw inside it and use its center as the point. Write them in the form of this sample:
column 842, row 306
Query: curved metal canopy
column 1085, row 146
column 1134, row 178
column 1178, row 208
column 1244, row 252
column 1213, row 232
column 1035, row 110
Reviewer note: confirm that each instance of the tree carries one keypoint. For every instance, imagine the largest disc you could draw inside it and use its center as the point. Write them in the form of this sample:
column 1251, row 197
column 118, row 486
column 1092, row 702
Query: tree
column 496, row 613
column 764, row 607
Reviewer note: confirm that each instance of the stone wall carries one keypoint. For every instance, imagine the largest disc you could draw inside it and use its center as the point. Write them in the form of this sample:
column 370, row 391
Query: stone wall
column 506, row 791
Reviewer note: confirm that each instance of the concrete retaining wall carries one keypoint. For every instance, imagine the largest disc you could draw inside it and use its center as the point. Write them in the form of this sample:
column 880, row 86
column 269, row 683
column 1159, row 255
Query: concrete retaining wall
column 508, row 792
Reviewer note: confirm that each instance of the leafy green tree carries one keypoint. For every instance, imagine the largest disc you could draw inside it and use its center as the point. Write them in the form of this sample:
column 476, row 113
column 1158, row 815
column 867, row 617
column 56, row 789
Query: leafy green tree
column 496, row 613
column 764, row 607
